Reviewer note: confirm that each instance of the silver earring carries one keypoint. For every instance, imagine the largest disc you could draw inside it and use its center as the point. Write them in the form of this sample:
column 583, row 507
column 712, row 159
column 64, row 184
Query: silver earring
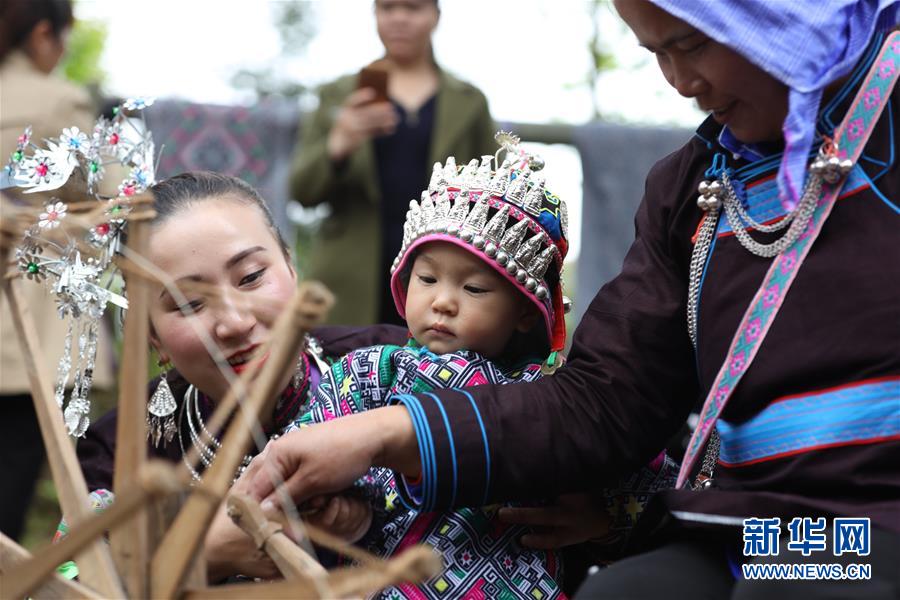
column 160, row 413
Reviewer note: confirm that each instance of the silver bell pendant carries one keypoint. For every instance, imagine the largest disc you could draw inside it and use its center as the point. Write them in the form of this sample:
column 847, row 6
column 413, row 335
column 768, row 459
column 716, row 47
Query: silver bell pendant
column 828, row 166
column 710, row 197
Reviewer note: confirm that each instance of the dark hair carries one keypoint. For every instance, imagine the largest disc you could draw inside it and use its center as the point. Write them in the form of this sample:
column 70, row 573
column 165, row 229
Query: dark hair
column 174, row 194
column 19, row 17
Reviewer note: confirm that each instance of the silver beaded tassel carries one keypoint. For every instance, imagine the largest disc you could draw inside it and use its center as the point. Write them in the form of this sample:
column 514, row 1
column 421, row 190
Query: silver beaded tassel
column 76, row 414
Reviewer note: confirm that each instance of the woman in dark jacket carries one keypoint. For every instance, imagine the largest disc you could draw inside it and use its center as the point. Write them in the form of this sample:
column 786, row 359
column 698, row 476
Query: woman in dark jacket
column 813, row 428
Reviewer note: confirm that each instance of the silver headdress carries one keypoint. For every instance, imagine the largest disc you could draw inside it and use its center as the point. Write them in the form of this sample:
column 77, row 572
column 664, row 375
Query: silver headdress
column 506, row 216
column 80, row 272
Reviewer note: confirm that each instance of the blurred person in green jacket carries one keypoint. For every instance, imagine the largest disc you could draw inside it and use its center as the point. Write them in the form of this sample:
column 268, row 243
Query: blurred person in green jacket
column 366, row 154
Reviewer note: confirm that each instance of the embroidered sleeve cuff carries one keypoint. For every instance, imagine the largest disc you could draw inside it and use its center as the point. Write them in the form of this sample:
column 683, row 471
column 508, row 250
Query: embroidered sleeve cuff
column 454, row 449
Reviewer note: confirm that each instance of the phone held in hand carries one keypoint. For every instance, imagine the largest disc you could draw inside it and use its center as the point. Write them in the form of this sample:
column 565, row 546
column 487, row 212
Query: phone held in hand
column 375, row 78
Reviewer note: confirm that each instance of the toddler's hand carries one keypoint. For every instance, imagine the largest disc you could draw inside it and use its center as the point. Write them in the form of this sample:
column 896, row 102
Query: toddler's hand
column 347, row 517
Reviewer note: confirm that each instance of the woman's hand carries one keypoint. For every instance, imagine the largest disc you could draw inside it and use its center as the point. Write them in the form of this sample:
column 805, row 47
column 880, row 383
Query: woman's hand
column 346, row 517
column 229, row 551
column 573, row 519
column 358, row 120
column 328, row 457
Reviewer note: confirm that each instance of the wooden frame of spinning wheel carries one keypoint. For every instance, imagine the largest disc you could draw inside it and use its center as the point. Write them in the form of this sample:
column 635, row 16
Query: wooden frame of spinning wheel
column 154, row 550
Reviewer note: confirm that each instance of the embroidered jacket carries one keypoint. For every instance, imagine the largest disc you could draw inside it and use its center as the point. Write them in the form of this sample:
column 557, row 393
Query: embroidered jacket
column 481, row 555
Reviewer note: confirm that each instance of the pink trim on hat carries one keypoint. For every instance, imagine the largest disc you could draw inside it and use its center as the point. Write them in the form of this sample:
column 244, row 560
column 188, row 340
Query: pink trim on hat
column 399, row 292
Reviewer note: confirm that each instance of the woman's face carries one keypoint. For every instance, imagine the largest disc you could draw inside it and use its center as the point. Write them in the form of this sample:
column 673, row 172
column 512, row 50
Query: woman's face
column 739, row 94
column 405, row 27
column 227, row 247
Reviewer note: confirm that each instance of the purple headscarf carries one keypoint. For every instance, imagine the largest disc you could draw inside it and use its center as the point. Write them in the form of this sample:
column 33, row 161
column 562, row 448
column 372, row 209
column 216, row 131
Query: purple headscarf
column 805, row 45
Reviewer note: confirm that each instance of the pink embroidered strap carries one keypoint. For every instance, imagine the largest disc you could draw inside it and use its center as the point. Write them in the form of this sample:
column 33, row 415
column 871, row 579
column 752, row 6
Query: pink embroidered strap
column 851, row 137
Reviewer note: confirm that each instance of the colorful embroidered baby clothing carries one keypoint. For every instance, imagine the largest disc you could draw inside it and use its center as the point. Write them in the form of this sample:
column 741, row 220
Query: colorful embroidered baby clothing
column 481, row 555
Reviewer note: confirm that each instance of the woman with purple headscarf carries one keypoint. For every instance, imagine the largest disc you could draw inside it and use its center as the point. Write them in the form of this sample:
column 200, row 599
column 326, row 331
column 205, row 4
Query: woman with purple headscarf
column 772, row 300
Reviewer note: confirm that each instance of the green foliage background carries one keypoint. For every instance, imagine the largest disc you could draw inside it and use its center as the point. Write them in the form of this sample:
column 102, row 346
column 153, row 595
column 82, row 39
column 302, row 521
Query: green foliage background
column 81, row 63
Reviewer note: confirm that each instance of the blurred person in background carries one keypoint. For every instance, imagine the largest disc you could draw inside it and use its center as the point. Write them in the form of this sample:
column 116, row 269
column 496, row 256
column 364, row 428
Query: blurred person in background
column 367, row 156
column 33, row 36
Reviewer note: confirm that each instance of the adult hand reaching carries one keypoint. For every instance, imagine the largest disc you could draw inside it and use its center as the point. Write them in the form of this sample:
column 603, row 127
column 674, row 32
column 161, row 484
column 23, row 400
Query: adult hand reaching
column 573, row 519
column 358, row 120
column 230, row 551
column 328, row 457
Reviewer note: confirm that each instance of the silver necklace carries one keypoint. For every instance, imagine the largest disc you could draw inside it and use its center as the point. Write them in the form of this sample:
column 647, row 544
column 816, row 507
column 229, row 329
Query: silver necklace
column 698, row 261
column 797, row 218
column 191, row 413
column 716, row 194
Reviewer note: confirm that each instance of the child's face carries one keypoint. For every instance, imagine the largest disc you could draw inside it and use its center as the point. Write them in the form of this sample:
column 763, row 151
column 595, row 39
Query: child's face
column 455, row 301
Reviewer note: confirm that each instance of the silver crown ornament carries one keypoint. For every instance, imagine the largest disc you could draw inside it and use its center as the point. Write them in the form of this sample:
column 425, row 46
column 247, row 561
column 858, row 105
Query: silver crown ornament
column 78, row 271
column 510, row 236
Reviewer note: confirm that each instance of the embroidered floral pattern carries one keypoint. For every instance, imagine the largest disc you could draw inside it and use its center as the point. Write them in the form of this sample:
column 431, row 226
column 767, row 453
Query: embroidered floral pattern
column 855, row 128
column 738, row 361
column 754, row 328
column 788, row 261
column 872, row 98
column 771, row 296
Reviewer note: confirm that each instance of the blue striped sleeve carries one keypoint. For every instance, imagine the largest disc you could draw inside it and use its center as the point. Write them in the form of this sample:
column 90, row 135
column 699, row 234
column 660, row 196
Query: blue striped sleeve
column 454, row 450
column 419, row 496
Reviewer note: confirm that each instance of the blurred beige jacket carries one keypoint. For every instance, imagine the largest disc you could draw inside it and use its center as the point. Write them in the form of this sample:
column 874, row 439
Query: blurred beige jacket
column 48, row 104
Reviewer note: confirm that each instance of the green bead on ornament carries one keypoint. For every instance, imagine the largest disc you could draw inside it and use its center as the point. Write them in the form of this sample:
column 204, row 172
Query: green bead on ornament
column 17, row 155
column 94, row 167
column 32, row 268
